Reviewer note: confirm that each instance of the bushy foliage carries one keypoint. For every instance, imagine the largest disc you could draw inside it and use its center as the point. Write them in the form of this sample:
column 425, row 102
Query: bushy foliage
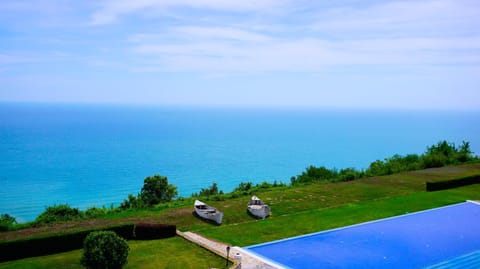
column 59, row 213
column 247, row 188
column 444, row 153
column 324, row 174
column 441, row 154
column 244, row 187
column 94, row 212
column 7, row 222
column 156, row 190
column 104, row 250
column 438, row 155
column 210, row 191
column 395, row 164
column 131, row 202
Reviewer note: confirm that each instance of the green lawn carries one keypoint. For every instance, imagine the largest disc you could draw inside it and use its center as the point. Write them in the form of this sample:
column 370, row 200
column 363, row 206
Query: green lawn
column 166, row 253
column 315, row 220
column 295, row 211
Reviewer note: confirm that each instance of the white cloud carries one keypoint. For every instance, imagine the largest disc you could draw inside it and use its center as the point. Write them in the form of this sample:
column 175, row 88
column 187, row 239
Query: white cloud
column 6, row 59
column 306, row 54
column 402, row 18
column 221, row 33
column 433, row 32
column 111, row 10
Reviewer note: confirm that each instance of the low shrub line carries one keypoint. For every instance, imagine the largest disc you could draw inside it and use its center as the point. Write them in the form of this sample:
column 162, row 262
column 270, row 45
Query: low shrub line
column 453, row 183
column 31, row 247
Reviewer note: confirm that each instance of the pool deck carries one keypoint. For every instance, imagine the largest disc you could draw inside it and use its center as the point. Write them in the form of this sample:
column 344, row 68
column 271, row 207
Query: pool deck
column 247, row 260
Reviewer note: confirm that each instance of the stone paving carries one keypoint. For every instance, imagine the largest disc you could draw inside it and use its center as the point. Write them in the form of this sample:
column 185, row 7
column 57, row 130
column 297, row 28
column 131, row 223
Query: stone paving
column 247, row 261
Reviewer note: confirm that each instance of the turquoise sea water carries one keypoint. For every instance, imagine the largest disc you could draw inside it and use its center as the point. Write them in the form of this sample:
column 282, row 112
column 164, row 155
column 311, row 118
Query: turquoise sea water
column 87, row 155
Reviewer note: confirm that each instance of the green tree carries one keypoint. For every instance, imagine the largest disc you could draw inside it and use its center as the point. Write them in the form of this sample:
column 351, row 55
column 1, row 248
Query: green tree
column 156, row 190
column 212, row 190
column 314, row 173
column 464, row 154
column 132, row 202
column 104, row 250
column 244, row 187
column 7, row 222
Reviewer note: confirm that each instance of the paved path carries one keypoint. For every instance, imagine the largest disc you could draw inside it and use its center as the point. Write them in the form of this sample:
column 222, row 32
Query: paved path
column 247, row 261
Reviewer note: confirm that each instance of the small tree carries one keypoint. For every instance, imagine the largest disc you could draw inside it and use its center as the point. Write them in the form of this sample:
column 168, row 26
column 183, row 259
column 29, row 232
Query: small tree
column 157, row 190
column 210, row 191
column 104, row 250
column 7, row 222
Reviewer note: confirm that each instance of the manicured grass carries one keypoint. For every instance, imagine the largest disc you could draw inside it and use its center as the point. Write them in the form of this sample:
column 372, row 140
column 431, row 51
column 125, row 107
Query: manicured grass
column 327, row 218
column 166, row 253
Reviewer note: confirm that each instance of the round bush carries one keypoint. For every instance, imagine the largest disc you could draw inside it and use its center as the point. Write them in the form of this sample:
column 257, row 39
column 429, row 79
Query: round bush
column 59, row 213
column 104, row 250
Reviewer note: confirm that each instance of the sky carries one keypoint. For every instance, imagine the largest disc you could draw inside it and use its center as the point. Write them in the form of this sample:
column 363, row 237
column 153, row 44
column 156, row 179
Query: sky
column 402, row 54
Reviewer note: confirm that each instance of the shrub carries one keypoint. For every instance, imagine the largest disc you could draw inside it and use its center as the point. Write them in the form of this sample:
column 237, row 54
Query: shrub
column 94, row 212
column 54, row 243
column 104, row 250
column 59, row 213
column 452, row 183
column 210, row 191
column 244, row 187
column 132, row 202
column 7, row 222
column 147, row 231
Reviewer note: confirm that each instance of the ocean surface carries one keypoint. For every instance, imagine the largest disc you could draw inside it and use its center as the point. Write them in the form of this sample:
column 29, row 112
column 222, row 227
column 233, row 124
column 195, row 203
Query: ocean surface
column 95, row 155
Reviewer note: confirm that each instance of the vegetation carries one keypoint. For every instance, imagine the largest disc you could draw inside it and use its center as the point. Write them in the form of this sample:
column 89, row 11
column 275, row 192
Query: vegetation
column 59, row 213
column 7, row 222
column 296, row 210
column 155, row 190
column 210, row 191
column 104, row 250
column 213, row 193
column 441, row 154
column 295, row 221
column 318, row 199
column 64, row 213
column 156, row 193
column 316, row 207
column 171, row 253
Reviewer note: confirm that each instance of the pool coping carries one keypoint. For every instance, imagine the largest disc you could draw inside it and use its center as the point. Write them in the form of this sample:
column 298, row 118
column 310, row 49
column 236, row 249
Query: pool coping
column 282, row 266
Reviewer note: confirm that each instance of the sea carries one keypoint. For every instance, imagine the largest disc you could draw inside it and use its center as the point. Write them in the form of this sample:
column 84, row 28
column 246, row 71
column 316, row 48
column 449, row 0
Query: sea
column 95, row 155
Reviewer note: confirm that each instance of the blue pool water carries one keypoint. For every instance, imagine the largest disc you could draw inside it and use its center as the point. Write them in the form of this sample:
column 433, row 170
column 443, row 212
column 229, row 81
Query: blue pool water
column 415, row 240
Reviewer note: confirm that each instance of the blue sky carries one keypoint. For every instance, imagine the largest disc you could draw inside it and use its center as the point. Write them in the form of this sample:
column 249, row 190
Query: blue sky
column 274, row 53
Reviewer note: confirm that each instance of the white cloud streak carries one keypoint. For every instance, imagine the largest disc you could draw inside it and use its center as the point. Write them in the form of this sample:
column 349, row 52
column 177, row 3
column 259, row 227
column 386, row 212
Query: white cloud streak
column 398, row 18
column 433, row 32
column 308, row 54
column 111, row 10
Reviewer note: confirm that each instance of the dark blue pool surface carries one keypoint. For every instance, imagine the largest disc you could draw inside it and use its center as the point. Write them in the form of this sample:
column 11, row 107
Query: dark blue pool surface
column 414, row 240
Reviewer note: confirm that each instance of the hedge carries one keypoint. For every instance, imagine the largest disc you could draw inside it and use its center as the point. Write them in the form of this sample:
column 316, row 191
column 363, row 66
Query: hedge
column 145, row 231
column 24, row 248
column 453, row 183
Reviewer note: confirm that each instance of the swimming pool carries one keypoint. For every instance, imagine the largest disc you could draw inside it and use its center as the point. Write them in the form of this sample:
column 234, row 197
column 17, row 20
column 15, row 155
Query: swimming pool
column 414, row 240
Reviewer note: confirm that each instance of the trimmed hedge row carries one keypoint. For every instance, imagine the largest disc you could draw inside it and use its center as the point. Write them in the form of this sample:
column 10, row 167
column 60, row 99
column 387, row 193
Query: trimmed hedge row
column 24, row 248
column 453, row 183
column 145, row 231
